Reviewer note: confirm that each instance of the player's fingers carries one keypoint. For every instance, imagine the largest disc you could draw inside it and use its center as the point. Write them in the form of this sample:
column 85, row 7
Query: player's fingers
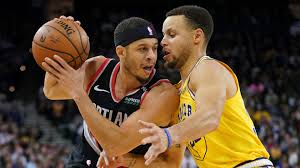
column 70, row 18
column 150, row 139
column 105, row 158
column 78, row 22
column 52, row 72
column 100, row 162
column 62, row 62
column 150, row 155
column 150, row 160
column 106, row 161
column 54, row 64
column 63, row 17
column 146, row 131
column 146, row 124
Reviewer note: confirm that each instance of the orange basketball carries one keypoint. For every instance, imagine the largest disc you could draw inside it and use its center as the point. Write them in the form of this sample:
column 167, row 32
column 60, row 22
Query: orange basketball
column 61, row 37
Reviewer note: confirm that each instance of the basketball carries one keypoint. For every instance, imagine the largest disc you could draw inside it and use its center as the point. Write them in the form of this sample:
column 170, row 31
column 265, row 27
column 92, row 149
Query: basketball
column 61, row 37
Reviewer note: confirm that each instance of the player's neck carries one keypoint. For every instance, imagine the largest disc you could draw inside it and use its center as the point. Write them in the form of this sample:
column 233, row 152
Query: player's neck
column 188, row 66
column 125, row 83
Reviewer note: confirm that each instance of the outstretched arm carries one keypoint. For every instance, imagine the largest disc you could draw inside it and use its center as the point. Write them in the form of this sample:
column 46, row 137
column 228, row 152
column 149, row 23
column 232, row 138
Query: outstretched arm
column 171, row 158
column 209, row 83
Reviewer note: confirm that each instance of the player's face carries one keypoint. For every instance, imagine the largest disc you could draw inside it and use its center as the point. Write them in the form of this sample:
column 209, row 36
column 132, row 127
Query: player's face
column 141, row 57
column 177, row 41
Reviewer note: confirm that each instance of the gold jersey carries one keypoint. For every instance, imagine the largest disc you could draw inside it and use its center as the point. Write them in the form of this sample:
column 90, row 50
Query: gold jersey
column 233, row 142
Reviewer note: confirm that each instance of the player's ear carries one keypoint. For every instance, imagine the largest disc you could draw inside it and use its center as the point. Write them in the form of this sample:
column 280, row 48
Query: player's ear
column 120, row 51
column 198, row 36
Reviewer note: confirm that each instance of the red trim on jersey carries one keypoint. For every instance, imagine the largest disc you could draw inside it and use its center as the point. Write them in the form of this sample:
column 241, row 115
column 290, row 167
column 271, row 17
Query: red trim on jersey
column 113, row 83
column 159, row 82
column 99, row 71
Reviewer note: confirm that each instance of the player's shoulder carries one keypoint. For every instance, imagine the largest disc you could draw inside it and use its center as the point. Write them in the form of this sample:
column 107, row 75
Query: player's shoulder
column 96, row 61
column 209, row 68
column 164, row 87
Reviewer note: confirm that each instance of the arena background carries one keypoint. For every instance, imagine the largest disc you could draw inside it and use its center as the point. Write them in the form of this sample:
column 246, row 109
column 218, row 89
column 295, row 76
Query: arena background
column 259, row 40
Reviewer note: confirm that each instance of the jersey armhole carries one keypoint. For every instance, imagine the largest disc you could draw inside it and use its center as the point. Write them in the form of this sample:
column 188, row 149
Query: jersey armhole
column 97, row 74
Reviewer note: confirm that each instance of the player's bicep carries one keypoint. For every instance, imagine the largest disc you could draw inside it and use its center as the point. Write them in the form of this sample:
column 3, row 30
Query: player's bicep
column 157, row 107
column 210, row 86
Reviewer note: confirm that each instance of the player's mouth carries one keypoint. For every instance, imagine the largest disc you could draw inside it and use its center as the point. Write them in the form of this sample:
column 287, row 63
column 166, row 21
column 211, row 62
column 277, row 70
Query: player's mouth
column 167, row 53
column 148, row 69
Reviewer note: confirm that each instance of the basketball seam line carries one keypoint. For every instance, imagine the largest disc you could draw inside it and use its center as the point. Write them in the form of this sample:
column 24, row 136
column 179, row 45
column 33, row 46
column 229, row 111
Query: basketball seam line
column 80, row 41
column 66, row 37
column 56, row 51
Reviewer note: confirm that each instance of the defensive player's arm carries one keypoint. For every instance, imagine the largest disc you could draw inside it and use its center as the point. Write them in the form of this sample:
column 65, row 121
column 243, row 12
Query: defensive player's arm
column 53, row 91
column 172, row 158
column 209, row 83
column 157, row 107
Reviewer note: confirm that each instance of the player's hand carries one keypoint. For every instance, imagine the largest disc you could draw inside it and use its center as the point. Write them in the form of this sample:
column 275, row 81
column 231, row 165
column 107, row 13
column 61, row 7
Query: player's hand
column 71, row 18
column 105, row 161
column 68, row 78
column 158, row 139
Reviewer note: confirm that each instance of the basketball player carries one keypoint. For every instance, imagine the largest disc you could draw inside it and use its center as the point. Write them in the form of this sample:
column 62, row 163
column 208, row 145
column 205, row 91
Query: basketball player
column 113, row 95
column 212, row 118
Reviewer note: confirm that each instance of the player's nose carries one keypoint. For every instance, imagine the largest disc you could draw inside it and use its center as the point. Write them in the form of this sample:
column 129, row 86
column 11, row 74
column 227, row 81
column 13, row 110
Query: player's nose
column 152, row 54
column 163, row 42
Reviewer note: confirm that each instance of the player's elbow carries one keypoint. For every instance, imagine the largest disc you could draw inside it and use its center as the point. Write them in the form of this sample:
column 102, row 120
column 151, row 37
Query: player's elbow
column 213, row 123
column 47, row 93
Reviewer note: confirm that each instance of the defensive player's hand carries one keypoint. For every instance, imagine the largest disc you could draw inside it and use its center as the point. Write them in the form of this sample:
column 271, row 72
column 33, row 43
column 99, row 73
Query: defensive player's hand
column 71, row 18
column 69, row 79
column 158, row 139
column 105, row 161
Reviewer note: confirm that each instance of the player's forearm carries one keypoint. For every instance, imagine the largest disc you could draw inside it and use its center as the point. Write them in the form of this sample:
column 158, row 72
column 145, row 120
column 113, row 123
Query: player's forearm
column 138, row 161
column 194, row 127
column 107, row 134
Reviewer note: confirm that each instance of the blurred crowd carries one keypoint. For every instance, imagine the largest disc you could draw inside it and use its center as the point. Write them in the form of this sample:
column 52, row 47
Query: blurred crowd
column 261, row 44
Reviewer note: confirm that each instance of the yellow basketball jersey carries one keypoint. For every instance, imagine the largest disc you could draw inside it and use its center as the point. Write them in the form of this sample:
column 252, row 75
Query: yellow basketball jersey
column 233, row 142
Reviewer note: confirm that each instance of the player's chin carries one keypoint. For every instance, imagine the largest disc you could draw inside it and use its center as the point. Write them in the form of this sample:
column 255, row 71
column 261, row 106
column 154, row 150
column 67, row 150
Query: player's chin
column 170, row 64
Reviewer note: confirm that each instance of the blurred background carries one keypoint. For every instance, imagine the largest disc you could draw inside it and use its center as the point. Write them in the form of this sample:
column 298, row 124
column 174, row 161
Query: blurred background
column 260, row 41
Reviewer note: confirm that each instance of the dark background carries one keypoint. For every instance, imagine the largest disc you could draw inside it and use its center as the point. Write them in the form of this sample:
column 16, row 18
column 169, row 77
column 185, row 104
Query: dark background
column 258, row 39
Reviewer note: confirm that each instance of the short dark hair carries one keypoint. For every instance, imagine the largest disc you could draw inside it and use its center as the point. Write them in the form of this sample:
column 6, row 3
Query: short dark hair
column 132, row 29
column 197, row 17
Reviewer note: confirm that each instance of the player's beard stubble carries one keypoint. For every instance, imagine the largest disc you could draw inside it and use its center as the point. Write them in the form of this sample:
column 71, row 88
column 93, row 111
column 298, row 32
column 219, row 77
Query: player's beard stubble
column 129, row 70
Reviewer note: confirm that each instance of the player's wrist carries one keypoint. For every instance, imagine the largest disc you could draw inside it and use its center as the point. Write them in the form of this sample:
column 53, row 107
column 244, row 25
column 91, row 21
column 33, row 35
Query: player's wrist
column 168, row 138
column 175, row 139
column 77, row 95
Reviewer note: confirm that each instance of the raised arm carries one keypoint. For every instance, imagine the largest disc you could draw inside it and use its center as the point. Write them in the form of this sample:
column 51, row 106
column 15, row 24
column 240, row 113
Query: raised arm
column 54, row 91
